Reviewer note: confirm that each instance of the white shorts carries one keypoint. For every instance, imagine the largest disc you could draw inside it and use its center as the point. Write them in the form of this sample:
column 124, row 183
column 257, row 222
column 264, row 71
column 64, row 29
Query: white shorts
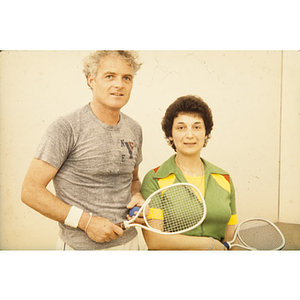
column 132, row 245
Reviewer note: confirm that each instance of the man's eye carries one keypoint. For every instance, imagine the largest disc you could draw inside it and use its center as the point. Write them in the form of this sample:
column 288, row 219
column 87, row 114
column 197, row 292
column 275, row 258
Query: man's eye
column 127, row 78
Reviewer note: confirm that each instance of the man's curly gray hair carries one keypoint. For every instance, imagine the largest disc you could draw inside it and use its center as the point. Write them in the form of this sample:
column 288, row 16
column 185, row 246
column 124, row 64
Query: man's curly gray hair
column 91, row 62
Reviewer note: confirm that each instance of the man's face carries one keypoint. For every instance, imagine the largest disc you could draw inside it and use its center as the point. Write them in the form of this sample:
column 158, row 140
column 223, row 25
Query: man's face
column 113, row 83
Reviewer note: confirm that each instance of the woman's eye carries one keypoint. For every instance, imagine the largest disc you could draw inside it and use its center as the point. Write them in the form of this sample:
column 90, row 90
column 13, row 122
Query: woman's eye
column 198, row 127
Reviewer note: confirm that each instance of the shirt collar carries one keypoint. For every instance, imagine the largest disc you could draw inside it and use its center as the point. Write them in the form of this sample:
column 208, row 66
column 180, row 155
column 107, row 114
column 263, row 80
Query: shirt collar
column 169, row 167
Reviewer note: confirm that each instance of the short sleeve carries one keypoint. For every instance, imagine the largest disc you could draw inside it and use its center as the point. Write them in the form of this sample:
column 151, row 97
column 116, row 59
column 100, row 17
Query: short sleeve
column 234, row 219
column 149, row 184
column 56, row 143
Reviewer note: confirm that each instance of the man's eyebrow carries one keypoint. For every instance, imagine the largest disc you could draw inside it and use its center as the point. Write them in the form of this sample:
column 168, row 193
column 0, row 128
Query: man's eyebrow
column 110, row 72
column 114, row 73
column 128, row 75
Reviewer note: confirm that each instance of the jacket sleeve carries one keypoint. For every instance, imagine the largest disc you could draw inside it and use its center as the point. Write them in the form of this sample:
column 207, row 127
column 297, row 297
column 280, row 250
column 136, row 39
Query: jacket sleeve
column 149, row 185
column 234, row 218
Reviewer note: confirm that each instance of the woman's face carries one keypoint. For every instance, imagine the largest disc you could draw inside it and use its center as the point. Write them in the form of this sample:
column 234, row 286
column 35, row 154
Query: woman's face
column 188, row 132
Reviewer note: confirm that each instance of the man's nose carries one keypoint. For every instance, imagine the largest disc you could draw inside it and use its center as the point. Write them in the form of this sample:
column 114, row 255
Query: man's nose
column 118, row 82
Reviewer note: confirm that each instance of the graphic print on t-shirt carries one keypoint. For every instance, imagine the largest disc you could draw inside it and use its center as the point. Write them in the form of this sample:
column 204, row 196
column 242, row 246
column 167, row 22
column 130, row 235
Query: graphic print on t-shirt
column 129, row 146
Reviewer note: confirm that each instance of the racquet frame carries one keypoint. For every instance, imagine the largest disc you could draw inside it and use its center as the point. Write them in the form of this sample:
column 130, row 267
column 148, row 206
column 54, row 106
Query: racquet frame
column 126, row 224
column 230, row 244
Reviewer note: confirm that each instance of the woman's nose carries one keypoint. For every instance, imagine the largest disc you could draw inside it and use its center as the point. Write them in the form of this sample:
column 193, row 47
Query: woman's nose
column 189, row 133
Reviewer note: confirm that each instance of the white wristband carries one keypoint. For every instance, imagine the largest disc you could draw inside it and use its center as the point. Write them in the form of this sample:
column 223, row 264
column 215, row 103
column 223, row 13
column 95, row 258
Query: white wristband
column 73, row 217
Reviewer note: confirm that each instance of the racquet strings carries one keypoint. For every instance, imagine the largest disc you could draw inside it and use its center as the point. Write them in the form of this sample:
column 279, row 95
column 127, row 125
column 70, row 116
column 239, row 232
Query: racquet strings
column 260, row 235
column 175, row 209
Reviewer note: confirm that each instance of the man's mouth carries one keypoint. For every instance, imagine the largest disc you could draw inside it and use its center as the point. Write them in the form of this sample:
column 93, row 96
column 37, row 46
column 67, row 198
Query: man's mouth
column 117, row 94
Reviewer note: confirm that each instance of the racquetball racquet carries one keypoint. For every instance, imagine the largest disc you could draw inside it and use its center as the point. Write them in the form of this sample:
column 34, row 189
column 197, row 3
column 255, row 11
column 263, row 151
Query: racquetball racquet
column 174, row 209
column 257, row 234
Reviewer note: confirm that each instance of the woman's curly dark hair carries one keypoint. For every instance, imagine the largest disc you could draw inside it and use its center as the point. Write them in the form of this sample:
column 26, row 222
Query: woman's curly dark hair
column 189, row 104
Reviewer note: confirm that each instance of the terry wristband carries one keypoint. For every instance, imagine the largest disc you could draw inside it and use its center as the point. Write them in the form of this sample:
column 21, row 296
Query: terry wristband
column 73, row 217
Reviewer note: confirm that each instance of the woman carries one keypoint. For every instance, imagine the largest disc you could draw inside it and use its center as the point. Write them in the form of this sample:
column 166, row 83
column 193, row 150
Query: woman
column 187, row 125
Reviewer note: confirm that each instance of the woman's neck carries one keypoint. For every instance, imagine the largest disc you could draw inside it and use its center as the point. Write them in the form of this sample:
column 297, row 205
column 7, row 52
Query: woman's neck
column 191, row 166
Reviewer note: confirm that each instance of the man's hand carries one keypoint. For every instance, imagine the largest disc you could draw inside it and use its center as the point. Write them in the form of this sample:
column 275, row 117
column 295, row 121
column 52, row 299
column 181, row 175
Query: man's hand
column 102, row 230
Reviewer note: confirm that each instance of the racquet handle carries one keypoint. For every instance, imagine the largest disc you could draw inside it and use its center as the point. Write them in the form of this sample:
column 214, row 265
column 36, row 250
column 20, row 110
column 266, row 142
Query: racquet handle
column 226, row 245
column 122, row 225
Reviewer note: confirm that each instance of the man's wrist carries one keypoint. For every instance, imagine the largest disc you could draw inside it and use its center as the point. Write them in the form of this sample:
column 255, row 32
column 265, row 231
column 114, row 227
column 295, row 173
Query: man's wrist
column 73, row 217
column 83, row 220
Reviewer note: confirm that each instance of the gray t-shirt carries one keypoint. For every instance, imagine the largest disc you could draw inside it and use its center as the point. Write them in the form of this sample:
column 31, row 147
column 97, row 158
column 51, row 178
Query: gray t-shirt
column 95, row 163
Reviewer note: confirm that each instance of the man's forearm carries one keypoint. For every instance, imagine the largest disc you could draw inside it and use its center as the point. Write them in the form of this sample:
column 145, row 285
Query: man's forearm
column 43, row 201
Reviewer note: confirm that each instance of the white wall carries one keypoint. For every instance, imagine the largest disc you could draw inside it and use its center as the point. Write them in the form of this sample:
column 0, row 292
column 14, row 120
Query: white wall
column 245, row 90
column 289, row 210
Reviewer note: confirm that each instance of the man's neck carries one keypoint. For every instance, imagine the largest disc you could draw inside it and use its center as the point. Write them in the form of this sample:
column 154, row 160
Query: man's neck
column 106, row 115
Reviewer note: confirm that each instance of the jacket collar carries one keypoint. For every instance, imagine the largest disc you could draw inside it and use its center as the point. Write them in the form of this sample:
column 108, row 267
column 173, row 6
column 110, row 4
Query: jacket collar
column 169, row 167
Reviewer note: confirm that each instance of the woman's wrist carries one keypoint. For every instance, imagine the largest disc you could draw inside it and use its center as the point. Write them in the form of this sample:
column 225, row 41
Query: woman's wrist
column 213, row 243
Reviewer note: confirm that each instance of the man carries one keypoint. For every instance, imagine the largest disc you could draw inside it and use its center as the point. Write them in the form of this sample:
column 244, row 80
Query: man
column 93, row 156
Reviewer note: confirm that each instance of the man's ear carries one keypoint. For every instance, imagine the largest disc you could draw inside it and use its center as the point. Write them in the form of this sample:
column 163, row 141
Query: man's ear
column 91, row 81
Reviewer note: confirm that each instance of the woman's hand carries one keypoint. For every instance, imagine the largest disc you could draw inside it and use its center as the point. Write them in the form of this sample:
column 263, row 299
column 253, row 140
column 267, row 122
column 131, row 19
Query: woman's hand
column 136, row 200
column 217, row 245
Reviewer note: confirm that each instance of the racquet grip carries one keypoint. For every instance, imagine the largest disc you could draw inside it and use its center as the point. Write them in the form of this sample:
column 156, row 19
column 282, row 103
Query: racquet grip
column 122, row 225
column 226, row 245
